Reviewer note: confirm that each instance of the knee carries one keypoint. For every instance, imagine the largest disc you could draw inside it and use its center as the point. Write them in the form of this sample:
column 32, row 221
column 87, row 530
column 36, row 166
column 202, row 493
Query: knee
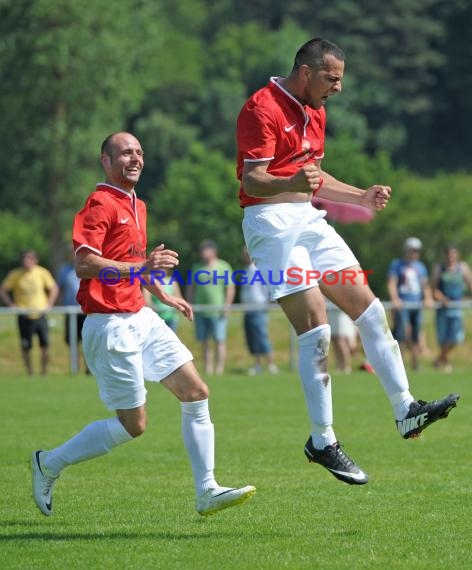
column 195, row 393
column 136, row 429
column 135, row 426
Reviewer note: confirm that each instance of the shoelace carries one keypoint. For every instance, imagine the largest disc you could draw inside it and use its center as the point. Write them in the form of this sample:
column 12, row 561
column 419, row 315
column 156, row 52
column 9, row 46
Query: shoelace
column 341, row 455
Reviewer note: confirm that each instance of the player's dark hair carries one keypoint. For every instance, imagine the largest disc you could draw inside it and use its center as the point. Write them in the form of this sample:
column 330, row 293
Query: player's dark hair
column 314, row 52
column 107, row 145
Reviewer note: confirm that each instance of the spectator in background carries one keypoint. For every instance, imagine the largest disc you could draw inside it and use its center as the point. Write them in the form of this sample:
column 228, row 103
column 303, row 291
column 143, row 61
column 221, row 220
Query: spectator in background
column 68, row 284
column 450, row 280
column 168, row 314
column 217, row 290
column 343, row 337
column 255, row 321
column 31, row 287
column 408, row 283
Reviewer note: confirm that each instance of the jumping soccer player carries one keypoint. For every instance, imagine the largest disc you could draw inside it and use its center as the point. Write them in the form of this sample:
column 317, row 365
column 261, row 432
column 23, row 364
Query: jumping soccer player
column 280, row 136
column 125, row 342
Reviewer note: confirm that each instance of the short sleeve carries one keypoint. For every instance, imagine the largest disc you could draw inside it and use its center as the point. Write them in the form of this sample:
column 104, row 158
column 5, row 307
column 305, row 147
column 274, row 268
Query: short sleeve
column 90, row 227
column 227, row 267
column 393, row 269
column 10, row 280
column 48, row 279
column 256, row 134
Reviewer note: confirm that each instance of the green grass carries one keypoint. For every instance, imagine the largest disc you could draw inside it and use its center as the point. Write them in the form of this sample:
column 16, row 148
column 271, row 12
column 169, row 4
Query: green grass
column 134, row 508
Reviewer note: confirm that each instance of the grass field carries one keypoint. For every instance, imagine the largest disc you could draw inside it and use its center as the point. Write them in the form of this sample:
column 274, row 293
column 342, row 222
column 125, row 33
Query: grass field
column 134, row 508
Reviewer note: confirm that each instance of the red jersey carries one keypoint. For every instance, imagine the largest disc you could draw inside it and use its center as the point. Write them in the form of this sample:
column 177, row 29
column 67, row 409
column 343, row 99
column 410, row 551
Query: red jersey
column 111, row 224
column 274, row 126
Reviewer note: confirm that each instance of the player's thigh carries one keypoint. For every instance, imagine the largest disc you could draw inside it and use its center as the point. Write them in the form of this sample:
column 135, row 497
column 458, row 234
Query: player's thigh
column 112, row 350
column 349, row 290
column 305, row 309
column 274, row 236
column 186, row 384
column 163, row 352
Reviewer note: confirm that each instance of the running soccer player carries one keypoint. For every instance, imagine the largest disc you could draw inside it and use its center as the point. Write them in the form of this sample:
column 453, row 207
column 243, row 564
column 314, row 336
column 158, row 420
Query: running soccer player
column 125, row 342
column 280, row 136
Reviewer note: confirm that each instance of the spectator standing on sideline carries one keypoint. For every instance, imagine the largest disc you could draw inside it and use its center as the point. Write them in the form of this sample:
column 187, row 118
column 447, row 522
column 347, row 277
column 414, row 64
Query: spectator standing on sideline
column 31, row 287
column 68, row 284
column 280, row 137
column 344, row 338
column 408, row 283
column 255, row 321
column 124, row 341
column 211, row 284
column 450, row 280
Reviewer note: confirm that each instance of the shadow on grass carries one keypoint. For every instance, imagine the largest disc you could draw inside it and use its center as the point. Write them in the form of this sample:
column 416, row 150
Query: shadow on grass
column 66, row 537
column 42, row 534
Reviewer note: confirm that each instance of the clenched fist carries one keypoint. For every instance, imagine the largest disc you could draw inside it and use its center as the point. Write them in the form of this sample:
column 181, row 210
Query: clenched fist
column 307, row 179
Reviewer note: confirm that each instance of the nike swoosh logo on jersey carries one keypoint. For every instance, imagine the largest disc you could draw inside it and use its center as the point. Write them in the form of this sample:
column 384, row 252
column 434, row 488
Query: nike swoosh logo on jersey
column 288, row 129
column 124, row 220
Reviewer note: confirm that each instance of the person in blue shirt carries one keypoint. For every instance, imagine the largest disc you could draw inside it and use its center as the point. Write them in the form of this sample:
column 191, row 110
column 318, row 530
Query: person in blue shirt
column 68, row 283
column 409, row 289
column 450, row 281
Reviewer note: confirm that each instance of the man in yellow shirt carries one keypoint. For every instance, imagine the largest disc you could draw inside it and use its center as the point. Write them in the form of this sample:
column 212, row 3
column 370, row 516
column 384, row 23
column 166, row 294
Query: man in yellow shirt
column 31, row 287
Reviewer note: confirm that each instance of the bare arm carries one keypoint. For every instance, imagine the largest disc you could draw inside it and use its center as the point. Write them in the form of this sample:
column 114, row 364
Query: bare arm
column 88, row 264
column 53, row 294
column 173, row 301
column 6, row 297
column 393, row 292
column 427, row 294
column 259, row 183
column 147, row 297
column 438, row 295
column 375, row 197
column 467, row 275
column 229, row 298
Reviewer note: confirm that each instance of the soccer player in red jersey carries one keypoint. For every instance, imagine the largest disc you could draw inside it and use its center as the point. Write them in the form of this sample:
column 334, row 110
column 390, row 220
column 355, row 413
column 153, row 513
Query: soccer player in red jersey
column 281, row 136
column 124, row 341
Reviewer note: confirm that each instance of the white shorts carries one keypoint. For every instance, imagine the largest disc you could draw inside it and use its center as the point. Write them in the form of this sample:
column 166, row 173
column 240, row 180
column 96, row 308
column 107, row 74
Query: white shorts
column 280, row 237
column 124, row 349
column 342, row 325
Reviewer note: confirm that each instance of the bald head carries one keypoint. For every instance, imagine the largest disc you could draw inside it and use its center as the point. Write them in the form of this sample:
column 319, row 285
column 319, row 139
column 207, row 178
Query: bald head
column 108, row 145
column 122, row 159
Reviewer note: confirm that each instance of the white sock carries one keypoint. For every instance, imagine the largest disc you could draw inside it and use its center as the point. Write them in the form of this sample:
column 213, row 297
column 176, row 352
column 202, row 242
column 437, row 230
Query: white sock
column 199, row 438
column 312, row 367
column 94, row 440
column 384, row 354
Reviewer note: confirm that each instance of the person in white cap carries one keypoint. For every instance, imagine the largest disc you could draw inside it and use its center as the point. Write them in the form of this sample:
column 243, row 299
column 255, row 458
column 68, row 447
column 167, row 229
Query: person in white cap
column 409, row 289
